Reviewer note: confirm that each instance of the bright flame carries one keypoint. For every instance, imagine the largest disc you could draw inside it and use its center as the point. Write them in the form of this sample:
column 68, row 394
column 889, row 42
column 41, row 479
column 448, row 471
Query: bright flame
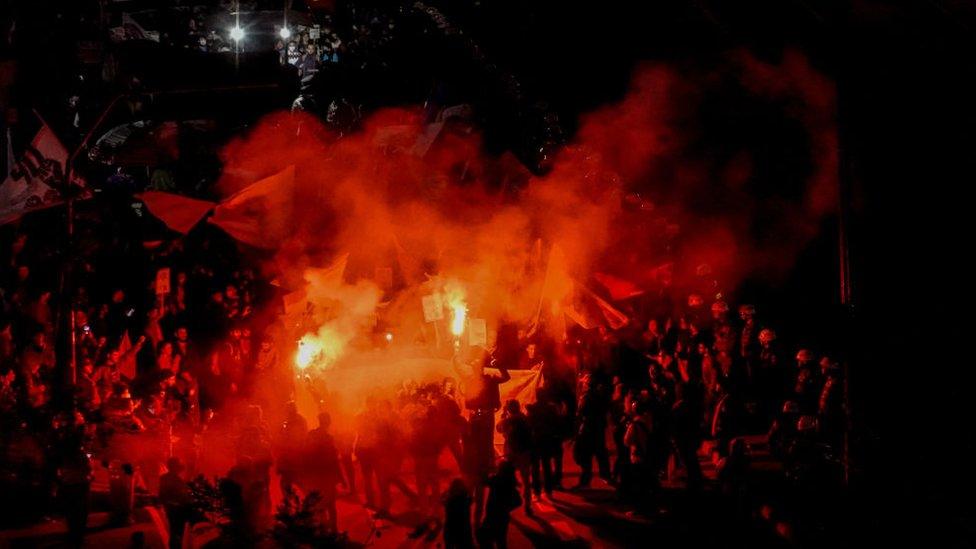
column 389, row 336
column 320, row 349
column 308, row 350
column 460, row 312
column 454, row 297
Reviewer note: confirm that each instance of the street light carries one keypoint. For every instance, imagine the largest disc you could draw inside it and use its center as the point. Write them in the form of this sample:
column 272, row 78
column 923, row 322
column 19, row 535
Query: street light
column 284, row 33
column 237, row 33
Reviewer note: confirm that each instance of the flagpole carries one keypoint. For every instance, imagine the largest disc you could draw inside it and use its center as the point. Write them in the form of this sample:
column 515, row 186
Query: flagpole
column 68, row 273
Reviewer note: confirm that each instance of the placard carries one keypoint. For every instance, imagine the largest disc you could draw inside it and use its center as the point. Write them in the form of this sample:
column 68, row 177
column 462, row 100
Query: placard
column 477, row 332
column 433, row 307
column 162, row 281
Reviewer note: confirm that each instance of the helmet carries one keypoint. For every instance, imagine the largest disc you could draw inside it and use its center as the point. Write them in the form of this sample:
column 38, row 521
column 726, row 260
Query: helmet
column 720, row 307
column 766, row 335
column 804, row 355
column 747, row 310
column 695, row 300
column 791, row 407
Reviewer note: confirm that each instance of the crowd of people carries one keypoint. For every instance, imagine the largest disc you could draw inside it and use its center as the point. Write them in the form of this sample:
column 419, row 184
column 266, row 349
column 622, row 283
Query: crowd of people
column 160, row 369
column 149, row 367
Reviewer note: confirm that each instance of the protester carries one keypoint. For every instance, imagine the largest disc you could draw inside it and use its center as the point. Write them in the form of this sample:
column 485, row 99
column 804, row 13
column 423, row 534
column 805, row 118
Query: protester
column 321, row 469
column 547, row 441
column 174, row 495
column 503, row 498
column 518, row 447
column 457, row 516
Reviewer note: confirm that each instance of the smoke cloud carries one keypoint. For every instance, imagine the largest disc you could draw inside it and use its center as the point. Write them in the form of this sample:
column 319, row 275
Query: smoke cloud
column 644, row 193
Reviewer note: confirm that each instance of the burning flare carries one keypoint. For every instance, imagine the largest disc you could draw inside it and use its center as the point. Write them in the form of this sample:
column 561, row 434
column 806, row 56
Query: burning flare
column 308, row 350
column 320, row 349
column 459, row 313
column 454, row 295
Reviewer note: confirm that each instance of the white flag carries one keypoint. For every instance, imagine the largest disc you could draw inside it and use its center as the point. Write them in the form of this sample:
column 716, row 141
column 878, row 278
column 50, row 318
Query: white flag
column 34, row 181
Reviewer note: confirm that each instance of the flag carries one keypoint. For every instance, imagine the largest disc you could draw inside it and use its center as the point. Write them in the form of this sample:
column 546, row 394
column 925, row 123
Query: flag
column 590, row 310
column 556, row 286
column 130, row 29
column 34, row 181
column 425, row 140
column 522, row 387
column 179, row 213
column 619, row 288
column 410, row 267
column 260, row 214
column 330, row 276
column 127, row 357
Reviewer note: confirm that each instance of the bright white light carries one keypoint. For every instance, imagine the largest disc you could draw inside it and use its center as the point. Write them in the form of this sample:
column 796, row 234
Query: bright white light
column 389, row 336
column 284, row 33
column 457, row 324
column 308, row 351
column 237, row 33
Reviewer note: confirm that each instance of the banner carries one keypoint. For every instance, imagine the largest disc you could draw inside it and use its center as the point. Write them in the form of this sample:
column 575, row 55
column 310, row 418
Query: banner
column 179, row 213
column 35, row 180
column 433, row 307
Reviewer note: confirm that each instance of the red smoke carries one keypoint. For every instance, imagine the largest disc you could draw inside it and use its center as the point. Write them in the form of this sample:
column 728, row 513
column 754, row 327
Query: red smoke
column 630, row 197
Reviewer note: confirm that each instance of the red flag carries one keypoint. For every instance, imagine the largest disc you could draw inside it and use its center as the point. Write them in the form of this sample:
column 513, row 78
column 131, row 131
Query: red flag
column 127, row 357
column 179, row 213
column 619, row 288
column 260, row 214
column 410, row 266
column 590, row 310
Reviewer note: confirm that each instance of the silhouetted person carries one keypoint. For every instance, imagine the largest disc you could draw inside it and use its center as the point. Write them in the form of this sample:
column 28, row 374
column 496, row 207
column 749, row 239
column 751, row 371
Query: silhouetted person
column 503, row 498
column 546, row 425
column 457, row 516
column 483, row 402
column 174, row 495
column 74, row 487
column 687, row 415
column 591, row 439
column 425, row 447
column 514, row 426
column 291, row 438
column 322, row 468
